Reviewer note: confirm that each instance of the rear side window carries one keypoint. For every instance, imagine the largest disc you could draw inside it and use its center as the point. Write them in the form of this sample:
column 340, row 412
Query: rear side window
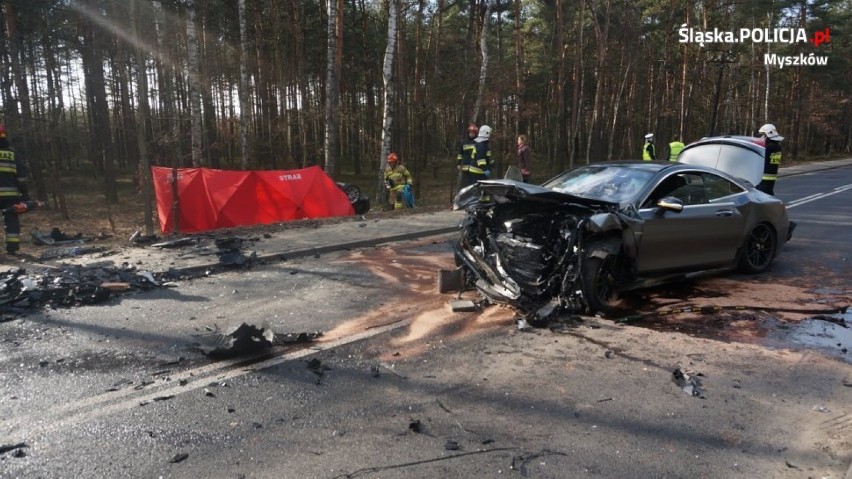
column 717, row 187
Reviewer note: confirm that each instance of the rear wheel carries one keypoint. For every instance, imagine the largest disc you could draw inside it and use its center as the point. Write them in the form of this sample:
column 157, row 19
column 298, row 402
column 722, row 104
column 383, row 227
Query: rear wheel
column 599, row 284
column 759, row 249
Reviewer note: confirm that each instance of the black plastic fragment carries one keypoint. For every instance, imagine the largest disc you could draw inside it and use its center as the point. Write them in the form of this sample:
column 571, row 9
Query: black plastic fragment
column 688, row 382
column 244, row 339
column 12, row 447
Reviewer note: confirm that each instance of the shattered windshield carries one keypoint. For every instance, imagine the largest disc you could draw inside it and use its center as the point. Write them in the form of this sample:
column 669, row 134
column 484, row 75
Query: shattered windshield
column 616, row 184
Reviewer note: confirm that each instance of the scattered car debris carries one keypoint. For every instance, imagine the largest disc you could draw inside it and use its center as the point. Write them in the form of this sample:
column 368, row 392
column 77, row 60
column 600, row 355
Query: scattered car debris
column 688, row 382
column 523, row 325
column 243, row 340
column 317, row 367
column 70, row 285
column 462, row 306
column 450, row 280
column 180, row 457
column 821, row 409
column 156, row 399
column 177, row 243
column 451, row 445
column 57, row 237
column 69, row 252
column 12, row 447
column 296, row 338
column 415, row 426
column 138, row 238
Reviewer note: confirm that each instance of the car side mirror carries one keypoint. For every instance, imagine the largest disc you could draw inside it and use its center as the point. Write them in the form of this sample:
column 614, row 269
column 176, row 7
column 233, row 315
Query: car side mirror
column 670, row 203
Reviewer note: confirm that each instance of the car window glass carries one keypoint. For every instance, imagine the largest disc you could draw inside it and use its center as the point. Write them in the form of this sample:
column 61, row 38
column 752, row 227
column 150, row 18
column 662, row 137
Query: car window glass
column 687, row 187
column 616, row 184
column 718, row 187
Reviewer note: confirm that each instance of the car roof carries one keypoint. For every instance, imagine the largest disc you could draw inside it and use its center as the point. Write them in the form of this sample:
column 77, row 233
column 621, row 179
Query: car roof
column 654, row 166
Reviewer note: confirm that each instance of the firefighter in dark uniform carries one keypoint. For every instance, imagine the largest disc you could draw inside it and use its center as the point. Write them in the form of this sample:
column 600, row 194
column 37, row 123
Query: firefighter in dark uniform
column 772, row 158
column 14, row 193
column 649, row 152
column 466, row 158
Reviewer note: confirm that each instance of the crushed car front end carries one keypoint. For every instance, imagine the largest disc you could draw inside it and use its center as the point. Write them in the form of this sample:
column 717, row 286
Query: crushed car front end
column 525, row 246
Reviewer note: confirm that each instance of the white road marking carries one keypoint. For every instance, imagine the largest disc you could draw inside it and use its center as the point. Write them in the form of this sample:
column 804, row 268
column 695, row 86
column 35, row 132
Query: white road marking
column 818, row 196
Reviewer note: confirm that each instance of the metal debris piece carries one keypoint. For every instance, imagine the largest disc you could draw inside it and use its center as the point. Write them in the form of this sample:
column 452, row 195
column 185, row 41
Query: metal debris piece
column 174, row 243
column 450, row 280
column 689, row 382
column 295, row 338
column 138, row 238
column 242, row 340
column 12, row 447
column 237, row 259
column 57, row 237
column 317, row 367
column 462, row 306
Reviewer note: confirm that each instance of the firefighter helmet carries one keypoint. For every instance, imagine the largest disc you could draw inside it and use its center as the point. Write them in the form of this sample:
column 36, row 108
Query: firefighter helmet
column 393, row 159
column 484, row 132
column 472, row 128
column 769, row 131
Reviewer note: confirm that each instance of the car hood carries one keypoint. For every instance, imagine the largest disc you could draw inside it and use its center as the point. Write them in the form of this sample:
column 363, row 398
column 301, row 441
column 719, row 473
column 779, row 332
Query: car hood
column 509, row 191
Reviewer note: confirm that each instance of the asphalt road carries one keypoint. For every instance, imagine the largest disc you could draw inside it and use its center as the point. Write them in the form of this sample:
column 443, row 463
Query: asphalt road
column 399, row 386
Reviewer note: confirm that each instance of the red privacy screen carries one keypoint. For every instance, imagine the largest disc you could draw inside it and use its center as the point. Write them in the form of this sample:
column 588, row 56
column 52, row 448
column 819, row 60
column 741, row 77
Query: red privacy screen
column 212, row 199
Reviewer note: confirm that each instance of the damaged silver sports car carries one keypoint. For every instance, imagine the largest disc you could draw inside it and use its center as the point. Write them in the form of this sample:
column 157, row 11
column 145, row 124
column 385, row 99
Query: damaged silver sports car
column 575, row 242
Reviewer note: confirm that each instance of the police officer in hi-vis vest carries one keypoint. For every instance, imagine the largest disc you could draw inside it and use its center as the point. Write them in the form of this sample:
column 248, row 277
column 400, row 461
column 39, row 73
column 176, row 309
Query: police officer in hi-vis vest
column 648, row 151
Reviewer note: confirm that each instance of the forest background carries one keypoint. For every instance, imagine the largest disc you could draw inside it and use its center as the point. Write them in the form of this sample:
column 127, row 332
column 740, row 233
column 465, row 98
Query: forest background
column 94, row 92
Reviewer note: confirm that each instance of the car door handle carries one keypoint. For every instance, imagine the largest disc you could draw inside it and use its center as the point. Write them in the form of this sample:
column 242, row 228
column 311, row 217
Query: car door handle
column 724, row 213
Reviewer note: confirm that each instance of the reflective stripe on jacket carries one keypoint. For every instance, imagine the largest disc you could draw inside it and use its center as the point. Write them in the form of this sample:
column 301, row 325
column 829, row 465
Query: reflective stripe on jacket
column 9, row 174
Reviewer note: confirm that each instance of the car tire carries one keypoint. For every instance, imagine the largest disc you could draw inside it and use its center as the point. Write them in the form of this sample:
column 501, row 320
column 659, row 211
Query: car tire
column 759, row 249
column 598, row 283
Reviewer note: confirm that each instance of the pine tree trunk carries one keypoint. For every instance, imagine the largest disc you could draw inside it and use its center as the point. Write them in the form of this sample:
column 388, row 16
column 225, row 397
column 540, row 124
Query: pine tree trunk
column 244, row 93
column 330, row 144
column 387, row 118
column 194, row 80
column 143, row 115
